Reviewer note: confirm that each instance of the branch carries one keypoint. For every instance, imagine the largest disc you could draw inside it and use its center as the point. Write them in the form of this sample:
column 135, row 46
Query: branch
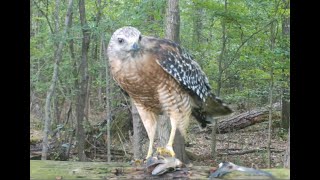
column 244, row 42
column 45, row 15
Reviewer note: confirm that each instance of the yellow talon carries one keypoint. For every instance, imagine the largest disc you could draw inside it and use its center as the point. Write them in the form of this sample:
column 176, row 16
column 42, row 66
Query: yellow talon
column 166, row 151
column 138, row 162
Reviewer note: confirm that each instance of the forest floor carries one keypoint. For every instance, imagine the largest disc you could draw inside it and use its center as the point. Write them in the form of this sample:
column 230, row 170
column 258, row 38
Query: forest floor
column 246, row 147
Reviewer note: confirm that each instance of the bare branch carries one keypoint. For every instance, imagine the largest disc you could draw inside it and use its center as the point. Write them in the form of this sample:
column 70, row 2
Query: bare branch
column 45, row 15
column 244, row 42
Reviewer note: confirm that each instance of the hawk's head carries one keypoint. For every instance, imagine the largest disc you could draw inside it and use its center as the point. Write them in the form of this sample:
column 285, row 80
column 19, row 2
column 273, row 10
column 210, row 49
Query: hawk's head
column 124, row 42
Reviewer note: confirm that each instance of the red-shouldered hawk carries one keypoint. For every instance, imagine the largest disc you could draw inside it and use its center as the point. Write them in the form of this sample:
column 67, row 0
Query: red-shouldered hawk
column 161, row 77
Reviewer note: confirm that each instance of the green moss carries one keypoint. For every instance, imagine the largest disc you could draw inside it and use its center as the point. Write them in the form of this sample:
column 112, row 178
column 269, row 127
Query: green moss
column 70, row 170
column 99, row 170
column 278, row 173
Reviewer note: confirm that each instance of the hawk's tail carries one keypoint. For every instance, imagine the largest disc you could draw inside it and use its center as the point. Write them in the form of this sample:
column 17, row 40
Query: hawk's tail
column 209, row 109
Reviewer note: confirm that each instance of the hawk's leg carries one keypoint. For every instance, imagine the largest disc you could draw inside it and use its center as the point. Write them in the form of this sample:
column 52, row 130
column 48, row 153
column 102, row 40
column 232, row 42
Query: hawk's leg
column 150, row 123
column 168, row 150
column 171, row 138
column 179, row 122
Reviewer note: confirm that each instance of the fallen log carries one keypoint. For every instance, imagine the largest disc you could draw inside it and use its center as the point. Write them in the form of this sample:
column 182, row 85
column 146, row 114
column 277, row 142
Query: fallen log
column 245, row 119
column 101, row 170
column 249, row 151
column 242, row 120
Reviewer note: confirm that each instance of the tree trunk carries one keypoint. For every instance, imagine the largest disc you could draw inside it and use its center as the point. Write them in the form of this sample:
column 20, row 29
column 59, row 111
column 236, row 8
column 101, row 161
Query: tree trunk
column 197, row 25
column 287, row 154
column 272, row 45
column 31, row 29
column 220, row 59
column 84, row 77
column 173, row 21
column 163, row 130
column 50, row 92
column 108, row 98
column 285, row 79
column 223, row 49
column 74, row 73
column 285, row 114
column 197, row 28
column 214, row 139
column 139, row 133
column 56, row 16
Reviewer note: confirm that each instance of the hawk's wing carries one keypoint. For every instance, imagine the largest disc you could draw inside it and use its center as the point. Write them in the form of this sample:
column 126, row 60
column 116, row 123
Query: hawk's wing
column 180, row 65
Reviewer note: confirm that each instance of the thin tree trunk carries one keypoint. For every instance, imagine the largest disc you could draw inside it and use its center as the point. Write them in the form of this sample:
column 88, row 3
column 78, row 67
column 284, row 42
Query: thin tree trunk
column 87, row 104
column 76, row 84
column 50, row 92
column 214, row 139
column 284, row 77
column 173, row 21
column 96, row 39
column 197, row 28
column 197, row 25
column 56, row 16
column 84, row 77
column 272, row 45
column 287, row 153
column 223, row 49
column 220, row 59
column 31, row 30
column 139, row 133
column 108, row 96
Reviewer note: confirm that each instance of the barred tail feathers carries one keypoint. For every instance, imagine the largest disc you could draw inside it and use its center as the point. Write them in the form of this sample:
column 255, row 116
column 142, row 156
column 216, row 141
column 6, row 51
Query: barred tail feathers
column 212, row 107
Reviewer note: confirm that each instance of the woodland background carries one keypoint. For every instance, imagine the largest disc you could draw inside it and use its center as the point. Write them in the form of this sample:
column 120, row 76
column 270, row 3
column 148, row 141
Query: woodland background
column 78, row 113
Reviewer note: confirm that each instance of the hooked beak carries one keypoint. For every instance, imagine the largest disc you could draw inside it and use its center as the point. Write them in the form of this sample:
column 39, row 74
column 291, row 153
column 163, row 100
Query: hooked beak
column 135, row 47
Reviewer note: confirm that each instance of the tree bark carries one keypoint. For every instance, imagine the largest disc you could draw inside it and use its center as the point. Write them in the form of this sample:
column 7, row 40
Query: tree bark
column 287, row 154
column 241, row 121
column 139, row 133
column 31, row 30
column 223, row 49
column 197, row 24
column 173, row 21
column 220, row 71
column 285, row 79
column 50, row 92
column 285, row 114
column 84, row 76
column 108, row 98
column 272, row 45
column 56, row 16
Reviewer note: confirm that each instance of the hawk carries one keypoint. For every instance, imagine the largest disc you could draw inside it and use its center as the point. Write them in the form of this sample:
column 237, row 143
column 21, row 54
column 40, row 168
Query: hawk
column 161, row 77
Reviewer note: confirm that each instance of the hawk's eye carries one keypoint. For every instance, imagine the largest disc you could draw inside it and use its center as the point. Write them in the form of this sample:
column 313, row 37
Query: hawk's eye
column 140, row 37
column 120, row 40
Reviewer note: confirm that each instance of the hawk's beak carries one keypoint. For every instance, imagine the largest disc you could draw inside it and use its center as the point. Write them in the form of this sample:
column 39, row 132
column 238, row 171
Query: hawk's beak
column 135, row 47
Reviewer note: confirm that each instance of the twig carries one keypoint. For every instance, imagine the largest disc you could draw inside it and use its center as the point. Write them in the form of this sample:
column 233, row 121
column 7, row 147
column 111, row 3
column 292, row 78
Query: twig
column 125, row 153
